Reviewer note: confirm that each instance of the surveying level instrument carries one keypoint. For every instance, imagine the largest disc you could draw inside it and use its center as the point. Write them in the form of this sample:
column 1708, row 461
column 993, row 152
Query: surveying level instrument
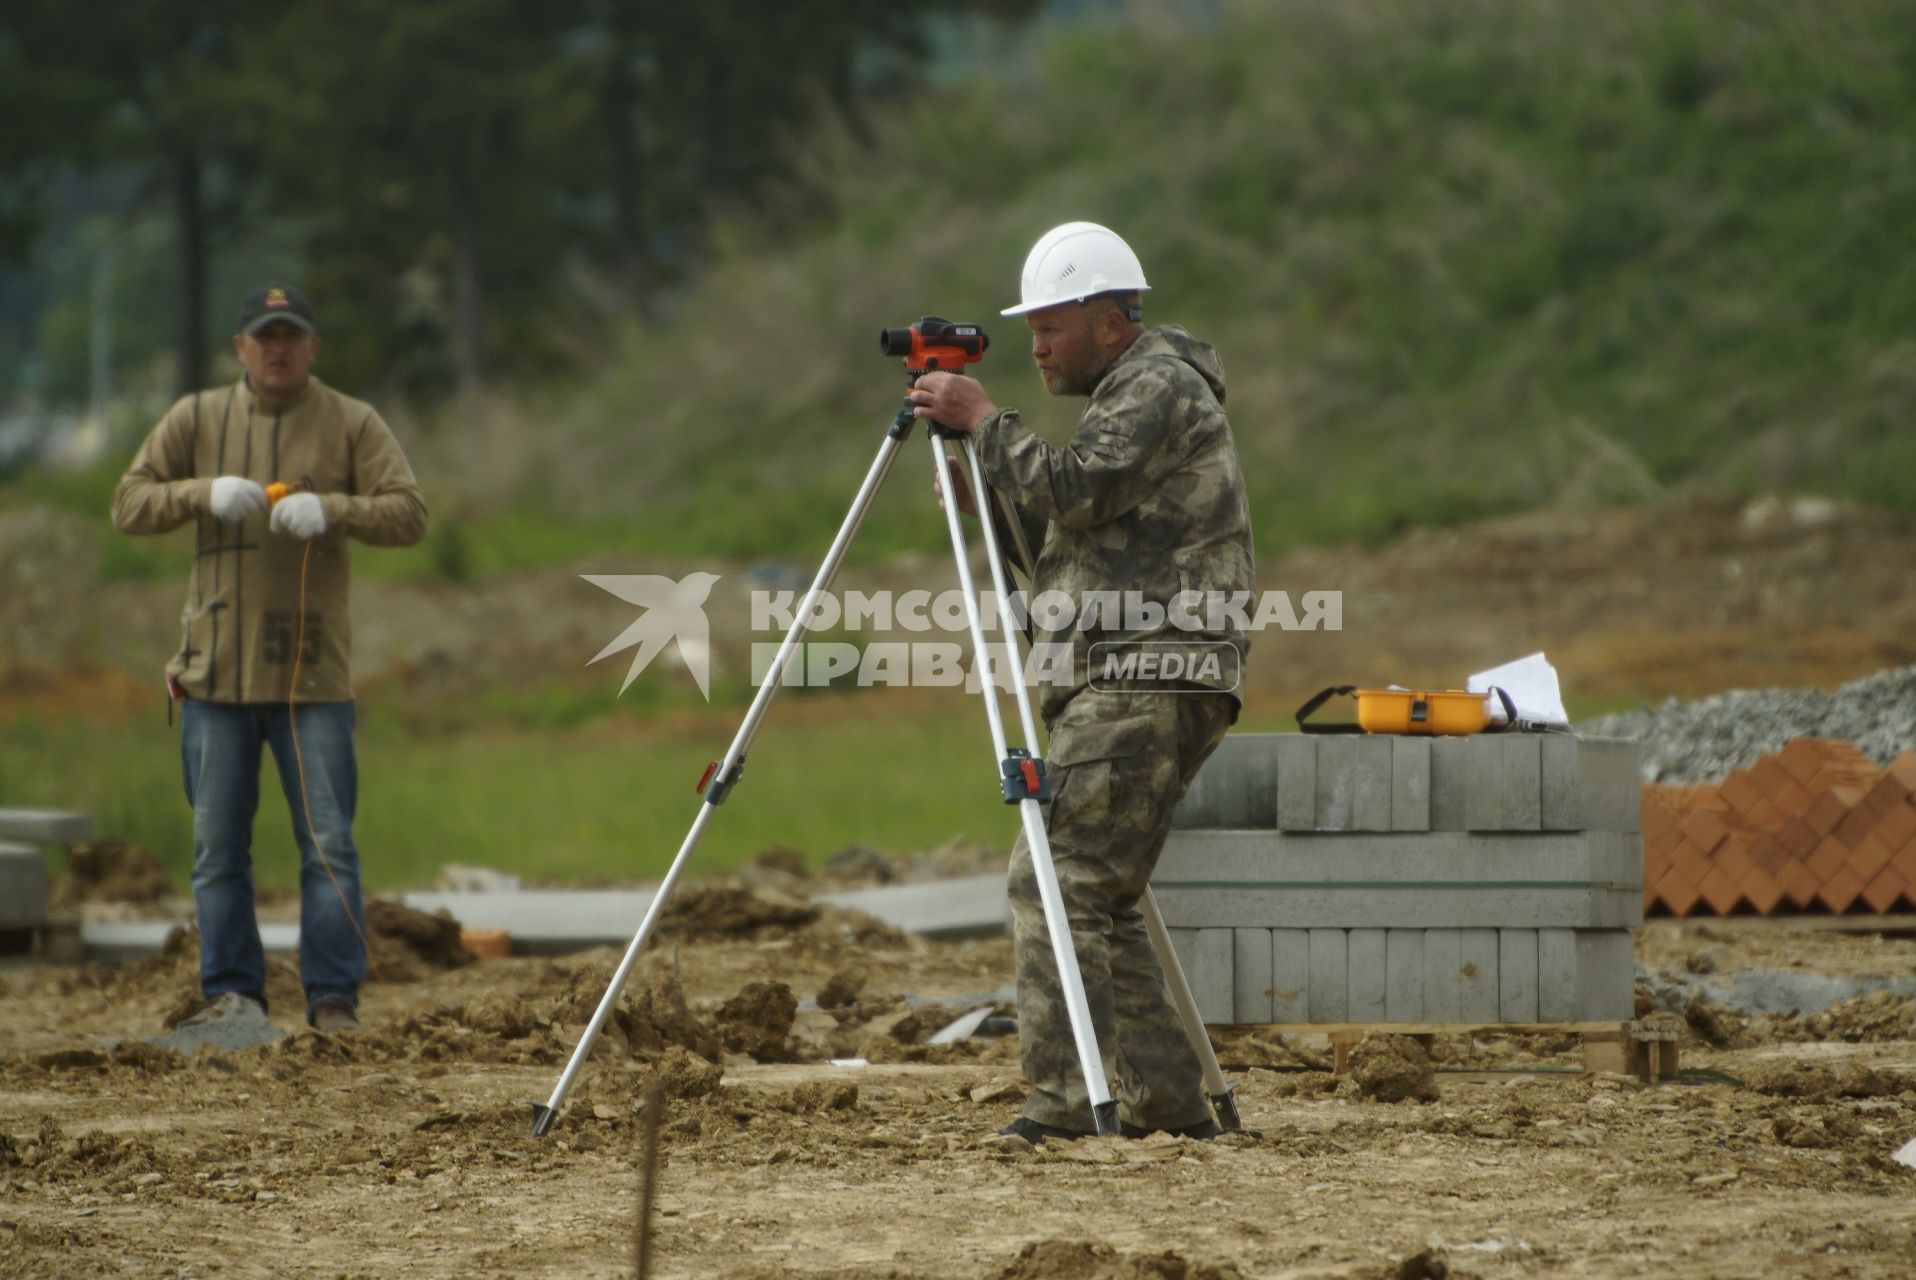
column 935, row 344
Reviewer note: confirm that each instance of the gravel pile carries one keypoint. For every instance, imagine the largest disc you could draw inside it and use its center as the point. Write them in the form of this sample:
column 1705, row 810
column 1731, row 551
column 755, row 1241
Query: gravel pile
column 1696, row 742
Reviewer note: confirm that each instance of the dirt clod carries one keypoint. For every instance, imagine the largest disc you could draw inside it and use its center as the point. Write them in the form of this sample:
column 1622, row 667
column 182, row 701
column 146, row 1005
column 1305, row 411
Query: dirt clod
column 758, row 1021
column 1392, row 1069
column 1084, row 1260
column 110, row 871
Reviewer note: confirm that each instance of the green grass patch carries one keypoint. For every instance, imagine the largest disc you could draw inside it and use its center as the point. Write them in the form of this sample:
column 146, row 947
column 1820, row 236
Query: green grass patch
column 606, row 801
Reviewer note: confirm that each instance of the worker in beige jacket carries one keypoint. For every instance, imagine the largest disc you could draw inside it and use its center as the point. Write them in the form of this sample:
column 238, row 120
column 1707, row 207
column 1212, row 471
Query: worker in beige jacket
column 255, row 666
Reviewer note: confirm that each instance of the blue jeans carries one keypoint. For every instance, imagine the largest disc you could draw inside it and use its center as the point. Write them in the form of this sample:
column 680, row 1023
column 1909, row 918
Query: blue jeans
column 220, row 749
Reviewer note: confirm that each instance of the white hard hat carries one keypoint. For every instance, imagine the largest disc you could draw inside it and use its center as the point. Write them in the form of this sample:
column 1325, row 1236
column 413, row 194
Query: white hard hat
column 1074, row 262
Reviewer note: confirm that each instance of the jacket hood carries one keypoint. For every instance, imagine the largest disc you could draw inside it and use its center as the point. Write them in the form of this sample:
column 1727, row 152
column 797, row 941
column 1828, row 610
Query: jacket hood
column 1169, row 341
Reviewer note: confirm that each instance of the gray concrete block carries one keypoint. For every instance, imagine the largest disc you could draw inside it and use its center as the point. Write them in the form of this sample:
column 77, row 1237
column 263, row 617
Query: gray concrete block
column 1478, row 975
column 1365, row 974
column 1606, row 975
column 1483, row 784
column 23, row 887
column 1612, row 784
column 1364, row 906
column 1409, row 784
column 1237, row 787
column 1329, row 993
column 44, row 826
column 1447, row 770
column 1290, row 975
column 1251, row 977
column 1184, row 946
column 1443, row 975
column 1490, row 860
column 1212, row 984
column 1562, row 800
column 1371, row 787
column 1336, row 783
column 1517, row 975
column 1404, row 975
column 1522, row 771
column 1557, row 975
column 1296, row 782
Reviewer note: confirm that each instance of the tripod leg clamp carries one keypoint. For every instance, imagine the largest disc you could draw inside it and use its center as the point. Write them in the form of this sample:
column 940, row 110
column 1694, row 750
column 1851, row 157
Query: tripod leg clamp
column 715, row 783
column 1022, row 777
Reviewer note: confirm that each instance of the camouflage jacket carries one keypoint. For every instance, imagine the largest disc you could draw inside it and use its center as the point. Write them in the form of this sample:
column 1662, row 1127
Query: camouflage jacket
column 1146, row 498
column 241, row 622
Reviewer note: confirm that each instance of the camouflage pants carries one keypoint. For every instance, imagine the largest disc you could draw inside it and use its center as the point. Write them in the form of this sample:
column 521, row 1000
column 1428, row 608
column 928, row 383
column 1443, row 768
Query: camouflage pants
column 1119, row 764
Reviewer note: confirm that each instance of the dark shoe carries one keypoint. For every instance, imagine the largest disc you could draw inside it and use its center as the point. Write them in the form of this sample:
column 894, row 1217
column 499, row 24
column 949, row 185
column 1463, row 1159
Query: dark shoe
column 331, row 1015
column 1203, row 1131
column 1034, row 1133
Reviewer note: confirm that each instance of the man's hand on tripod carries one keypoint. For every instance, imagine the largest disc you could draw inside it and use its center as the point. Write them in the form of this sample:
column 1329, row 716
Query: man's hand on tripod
column 966, row 504
column 951, row 400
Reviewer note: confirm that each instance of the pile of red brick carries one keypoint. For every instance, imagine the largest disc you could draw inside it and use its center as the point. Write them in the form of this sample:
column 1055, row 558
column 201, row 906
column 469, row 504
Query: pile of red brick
column 1817, row 827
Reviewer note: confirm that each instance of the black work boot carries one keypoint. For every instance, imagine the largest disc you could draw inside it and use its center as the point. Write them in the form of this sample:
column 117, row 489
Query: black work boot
column 1203, row 1131
column 1034, row 1133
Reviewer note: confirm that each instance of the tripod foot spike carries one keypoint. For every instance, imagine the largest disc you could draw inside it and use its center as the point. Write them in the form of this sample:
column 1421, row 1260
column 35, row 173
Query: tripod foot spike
column 1225, row 1105
column 1105, row 1117
column 542, row 1118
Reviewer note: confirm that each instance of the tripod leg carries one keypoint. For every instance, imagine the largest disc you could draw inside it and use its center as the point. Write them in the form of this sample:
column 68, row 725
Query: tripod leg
column 726, row 773
column 1222, row 1100
column 1104, row 1110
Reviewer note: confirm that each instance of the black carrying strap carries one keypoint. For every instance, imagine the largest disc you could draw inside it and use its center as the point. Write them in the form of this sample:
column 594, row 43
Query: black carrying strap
column 1305, row 712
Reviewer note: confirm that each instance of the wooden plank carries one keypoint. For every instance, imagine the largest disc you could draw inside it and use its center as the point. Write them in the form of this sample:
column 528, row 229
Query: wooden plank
column 1251, row 976
column 1443, row 977
column 1517, row 975
column 1329, row 992
column 1409, row 784
column 1478, row 974
column 1290, row 975
column 1296, row 782
column 1557, row 974
column 1404, row 975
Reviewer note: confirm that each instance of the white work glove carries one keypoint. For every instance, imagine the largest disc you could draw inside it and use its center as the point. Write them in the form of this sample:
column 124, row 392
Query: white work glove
column 236, row 497
column 298, row 515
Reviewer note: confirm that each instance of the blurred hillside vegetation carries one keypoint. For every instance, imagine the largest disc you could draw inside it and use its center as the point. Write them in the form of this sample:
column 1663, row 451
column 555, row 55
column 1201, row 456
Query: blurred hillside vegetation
column 1458, row 258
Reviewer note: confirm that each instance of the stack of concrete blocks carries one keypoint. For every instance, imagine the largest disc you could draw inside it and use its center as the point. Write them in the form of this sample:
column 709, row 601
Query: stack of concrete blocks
column 23, row 870
column 1355, row 879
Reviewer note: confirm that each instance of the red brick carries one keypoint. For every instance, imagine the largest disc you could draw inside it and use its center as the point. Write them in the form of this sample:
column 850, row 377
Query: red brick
column 1653, row 815
column 1739, row 793
column 1896, row 828
column 1762, row 891
column 1799, row 837
column 1765, row 815
column 1831, row 808
column 1882, row 892
column 1768, row 852
column 1804, row 758
column 1676, row 892
column 1888, row 792
column 1779, row 788
column 1854, row 828
column 1721, row 892
column 1734, row 859
column 1830, row 854
column 1839, row 892
column 1904, row 768
column 1704, row 829
column 1867, row 859
column 1799, row 885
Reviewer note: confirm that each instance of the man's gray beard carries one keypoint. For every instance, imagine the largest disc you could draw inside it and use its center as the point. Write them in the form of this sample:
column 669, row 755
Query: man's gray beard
column 1082, row 387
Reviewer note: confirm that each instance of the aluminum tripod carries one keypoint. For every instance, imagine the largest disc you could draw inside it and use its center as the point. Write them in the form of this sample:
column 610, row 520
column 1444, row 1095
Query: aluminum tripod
column 1021, row 780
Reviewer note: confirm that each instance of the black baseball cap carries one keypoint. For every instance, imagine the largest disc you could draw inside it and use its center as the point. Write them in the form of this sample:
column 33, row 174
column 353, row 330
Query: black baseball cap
column 274, row 303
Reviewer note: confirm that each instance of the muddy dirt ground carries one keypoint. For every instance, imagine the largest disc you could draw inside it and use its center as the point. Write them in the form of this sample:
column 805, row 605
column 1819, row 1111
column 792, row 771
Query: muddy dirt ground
column 404, row 1149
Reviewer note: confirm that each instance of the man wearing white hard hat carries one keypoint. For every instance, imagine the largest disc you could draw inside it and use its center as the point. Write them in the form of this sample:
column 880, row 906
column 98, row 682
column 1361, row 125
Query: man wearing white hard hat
column 1144, row 505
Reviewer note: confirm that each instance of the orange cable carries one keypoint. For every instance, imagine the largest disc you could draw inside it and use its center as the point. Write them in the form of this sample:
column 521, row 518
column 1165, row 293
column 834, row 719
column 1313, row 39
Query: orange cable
column 299, row 761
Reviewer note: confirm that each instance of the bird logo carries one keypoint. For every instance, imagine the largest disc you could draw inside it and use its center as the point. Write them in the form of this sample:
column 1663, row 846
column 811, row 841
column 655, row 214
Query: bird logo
column 674, row 611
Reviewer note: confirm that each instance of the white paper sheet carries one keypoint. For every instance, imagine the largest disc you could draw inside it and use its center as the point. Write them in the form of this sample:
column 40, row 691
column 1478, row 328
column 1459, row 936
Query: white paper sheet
column 1531, row 683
